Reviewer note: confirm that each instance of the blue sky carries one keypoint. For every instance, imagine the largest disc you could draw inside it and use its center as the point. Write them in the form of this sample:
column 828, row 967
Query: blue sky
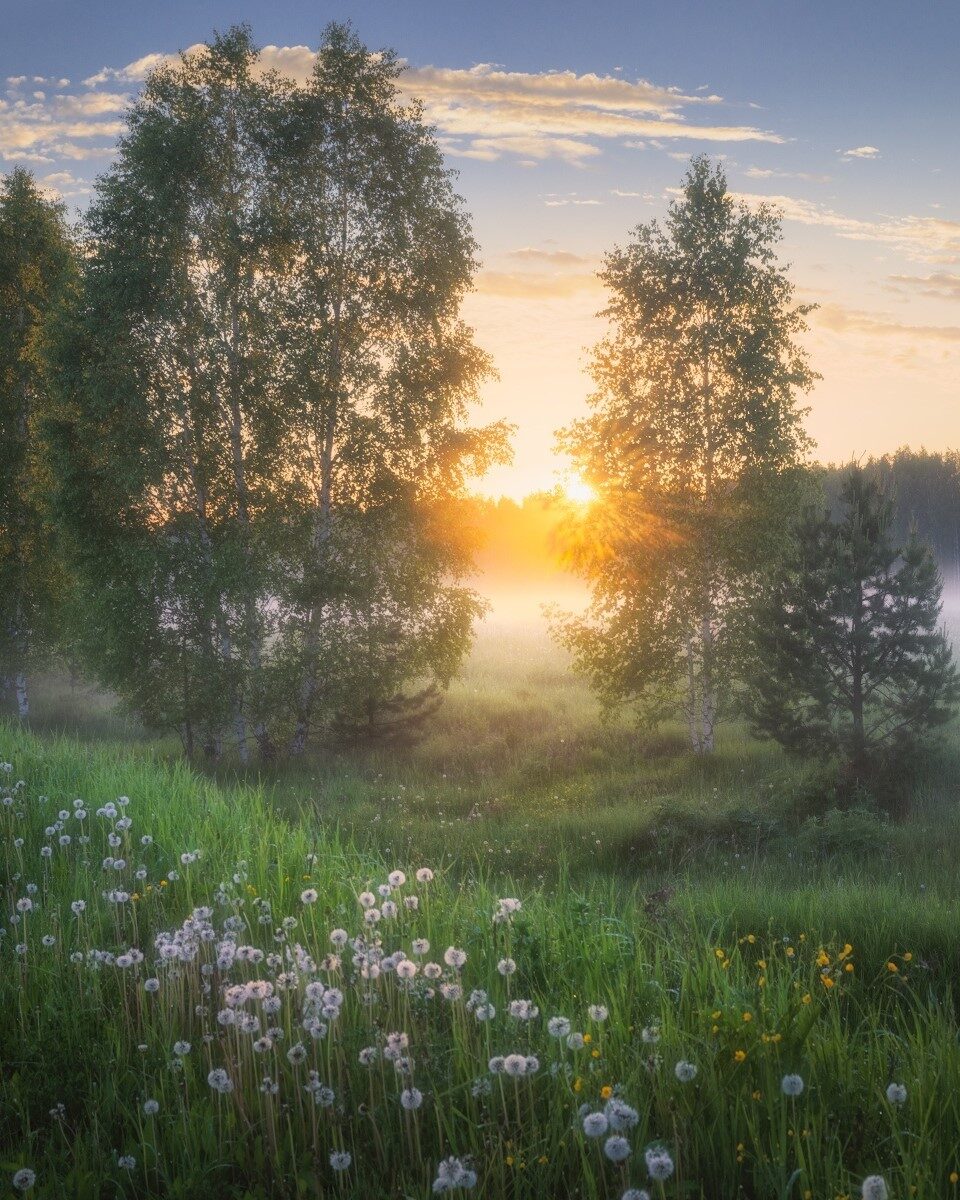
column 569, row 123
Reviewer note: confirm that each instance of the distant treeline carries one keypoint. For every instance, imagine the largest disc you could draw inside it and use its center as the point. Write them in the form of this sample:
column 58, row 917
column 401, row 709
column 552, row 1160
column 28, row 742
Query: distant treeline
column 520, row 545
column 925, row 488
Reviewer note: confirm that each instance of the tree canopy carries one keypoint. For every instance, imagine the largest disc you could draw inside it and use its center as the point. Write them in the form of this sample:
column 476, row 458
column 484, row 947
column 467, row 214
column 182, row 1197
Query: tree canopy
column 263, row 402
column 693, row 447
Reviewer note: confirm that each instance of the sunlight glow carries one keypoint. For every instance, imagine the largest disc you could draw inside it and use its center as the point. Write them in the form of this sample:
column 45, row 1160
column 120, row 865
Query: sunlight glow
column 578, row 491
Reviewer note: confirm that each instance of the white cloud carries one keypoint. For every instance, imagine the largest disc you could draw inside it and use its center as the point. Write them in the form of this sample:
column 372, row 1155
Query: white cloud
column 932, row 239
column 769, row 173
column 535, row 285
column 860, row 152
column 839, row 319
column 941, row 285
column 558, row 258
column 487, row 112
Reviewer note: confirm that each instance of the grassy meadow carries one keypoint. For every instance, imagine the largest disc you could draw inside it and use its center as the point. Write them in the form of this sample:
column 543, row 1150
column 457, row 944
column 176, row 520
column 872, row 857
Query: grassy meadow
column 219, row 1014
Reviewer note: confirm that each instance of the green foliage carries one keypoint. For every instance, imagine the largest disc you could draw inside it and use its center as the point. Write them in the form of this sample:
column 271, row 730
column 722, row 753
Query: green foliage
column 689, row 961
column 263, row 390
column 851, row 661
column 693, row 448
column 36, row 259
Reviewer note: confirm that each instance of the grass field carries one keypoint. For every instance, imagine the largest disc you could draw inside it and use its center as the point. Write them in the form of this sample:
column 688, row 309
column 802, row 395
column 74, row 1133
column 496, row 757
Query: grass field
column 718, row 919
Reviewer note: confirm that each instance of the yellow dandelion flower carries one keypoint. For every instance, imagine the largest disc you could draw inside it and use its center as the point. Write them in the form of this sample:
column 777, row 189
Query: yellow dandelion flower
column 892, row 968
column 739, row 1056
column 578, row 1085
column 908, row 957
column 594, row 1053
column 748, row 1016
column 848, row 967
column 806, row 999
column 606, row 1092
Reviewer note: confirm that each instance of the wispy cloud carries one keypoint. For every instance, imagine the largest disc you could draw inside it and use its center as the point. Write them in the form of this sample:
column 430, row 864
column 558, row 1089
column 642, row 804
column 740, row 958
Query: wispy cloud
column 39, row 128
column 929, row 239
column 487, row 112
column 941, row 285
column 839, row 319
column 860, row 152
column 557, row 258
column 535, row 285
column 769, row 173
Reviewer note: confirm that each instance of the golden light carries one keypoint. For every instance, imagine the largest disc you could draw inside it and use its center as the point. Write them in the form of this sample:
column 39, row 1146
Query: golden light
column 578, row 491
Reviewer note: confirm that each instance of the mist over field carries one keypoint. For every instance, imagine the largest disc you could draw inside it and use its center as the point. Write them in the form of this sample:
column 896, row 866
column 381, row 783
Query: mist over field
column 479, row 601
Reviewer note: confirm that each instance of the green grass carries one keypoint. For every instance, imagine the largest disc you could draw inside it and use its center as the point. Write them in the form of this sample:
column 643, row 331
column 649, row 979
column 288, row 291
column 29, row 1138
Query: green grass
column 650, row 883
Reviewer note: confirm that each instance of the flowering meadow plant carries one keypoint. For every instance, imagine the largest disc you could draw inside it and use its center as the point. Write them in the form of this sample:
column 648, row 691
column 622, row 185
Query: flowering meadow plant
column 253, row 1021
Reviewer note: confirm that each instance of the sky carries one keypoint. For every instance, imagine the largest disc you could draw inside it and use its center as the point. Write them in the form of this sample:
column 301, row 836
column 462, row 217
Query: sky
column 569, row 124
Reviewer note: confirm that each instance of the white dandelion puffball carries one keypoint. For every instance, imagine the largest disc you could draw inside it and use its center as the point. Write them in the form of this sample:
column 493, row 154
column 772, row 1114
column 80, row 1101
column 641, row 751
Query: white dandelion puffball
column 309, row 896
column 897, row 1093
column 151, row 1107
column 181, row 1049
column 595, row 1124
column 454, row 957
column 791, row 1085
column 220, row 1081
column 686, row 1072
column 558, row 1027
column 597, row 1012
column 620, row 1115
column 340, row 1160
column 659, row 1163
column 24, row 1179
column 617, row 1148
column 515, row 1065
column 635, row 1194
column 396, row 879
column 424, row 875
column 506, row 966
column 411, row 1098
column 874, row 1187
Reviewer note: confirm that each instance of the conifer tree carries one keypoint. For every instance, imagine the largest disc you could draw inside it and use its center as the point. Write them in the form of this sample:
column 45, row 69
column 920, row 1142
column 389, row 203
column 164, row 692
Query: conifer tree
column 851, row 662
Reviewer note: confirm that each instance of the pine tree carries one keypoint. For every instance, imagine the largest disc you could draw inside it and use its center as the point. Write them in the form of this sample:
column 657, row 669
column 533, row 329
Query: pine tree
column 693, row 449
column 36, row 259
column 851, row 663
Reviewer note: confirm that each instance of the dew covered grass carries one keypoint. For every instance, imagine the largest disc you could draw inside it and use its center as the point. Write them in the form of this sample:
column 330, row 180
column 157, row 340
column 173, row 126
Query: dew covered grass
column 767, row 948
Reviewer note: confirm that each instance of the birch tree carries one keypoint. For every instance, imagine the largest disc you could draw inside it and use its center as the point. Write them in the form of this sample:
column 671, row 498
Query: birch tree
column 693, row 447
column 265, row 384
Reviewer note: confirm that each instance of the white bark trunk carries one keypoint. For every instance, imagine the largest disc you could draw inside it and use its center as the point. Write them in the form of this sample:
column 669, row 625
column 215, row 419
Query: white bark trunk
column 23, row 698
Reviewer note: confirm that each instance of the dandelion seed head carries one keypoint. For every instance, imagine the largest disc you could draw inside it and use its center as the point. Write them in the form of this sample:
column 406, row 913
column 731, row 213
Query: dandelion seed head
column 897, row 1093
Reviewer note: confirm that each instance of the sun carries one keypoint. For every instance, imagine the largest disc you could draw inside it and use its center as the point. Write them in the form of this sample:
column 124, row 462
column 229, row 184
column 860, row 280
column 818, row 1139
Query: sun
column 578, row 491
